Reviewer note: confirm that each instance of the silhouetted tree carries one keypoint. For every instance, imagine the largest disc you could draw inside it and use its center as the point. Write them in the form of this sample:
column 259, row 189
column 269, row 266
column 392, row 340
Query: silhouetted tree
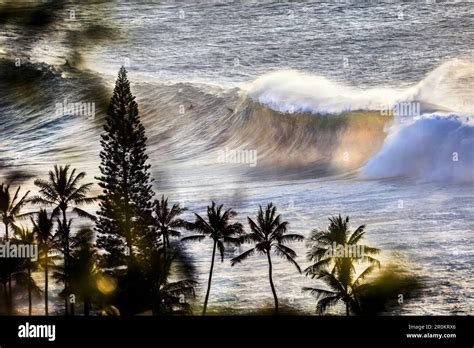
column 10, row 211
column 125, row 205
column 15, row 269
column 269, row 234
column 8, row 267
column 321, row 245
column 167, row 221
column 62, row 191
column 25, row 236
column 84, row 270
column 339, row 290
column 43, row 227
column 220, row 229
column 336, row 267
column 169, row 297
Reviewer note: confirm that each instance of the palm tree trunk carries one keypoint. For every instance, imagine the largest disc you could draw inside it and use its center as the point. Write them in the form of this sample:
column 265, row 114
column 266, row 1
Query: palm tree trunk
column 46, row 287
column 5, row 293
column 66, row 263
column 347, row 309
column 29, row 291
column 165, row 243
column 270, row 277
column 9, row 294
column 210, row 279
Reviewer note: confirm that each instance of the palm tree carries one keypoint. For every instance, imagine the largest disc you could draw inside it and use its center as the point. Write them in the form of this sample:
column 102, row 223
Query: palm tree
column 14, row 268
column 269, row 234
column 220, row 230
column 25, row 236
column 339, row 291
column 8, row 266
column 169, row 297
column 10, row 208
column 339, row 268
column 10, row 212
column 84, row 269
column 167, row 220
column 43, row 227
column 323, row 242
column 61, row 191
column 63, row 232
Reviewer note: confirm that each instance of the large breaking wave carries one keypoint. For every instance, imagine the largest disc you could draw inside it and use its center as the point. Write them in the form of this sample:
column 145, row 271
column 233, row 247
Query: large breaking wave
column 436, row 144
column 299, row 124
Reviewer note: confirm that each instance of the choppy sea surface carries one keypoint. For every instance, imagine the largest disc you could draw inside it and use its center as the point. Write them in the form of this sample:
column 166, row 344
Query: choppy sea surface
column 301, row 85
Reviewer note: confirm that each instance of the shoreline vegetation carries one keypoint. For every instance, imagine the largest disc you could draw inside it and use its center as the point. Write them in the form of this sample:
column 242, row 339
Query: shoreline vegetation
column 126, row 264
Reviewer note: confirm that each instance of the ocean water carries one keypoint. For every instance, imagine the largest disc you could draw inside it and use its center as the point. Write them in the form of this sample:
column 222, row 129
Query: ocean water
column 304, row 87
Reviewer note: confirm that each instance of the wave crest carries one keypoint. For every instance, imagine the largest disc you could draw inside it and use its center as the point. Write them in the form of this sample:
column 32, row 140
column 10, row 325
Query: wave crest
column 446, row 88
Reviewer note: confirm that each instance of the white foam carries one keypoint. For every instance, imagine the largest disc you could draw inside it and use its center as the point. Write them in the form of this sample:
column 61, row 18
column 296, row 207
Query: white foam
column 432, row 148
column 294, row 91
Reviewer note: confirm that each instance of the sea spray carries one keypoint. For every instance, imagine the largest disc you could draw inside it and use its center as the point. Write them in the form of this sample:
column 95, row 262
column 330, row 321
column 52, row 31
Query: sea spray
column 431, row 148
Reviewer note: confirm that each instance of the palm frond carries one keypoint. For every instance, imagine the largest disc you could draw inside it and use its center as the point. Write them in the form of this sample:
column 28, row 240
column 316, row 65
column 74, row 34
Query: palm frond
column 83, row 214
column 245, row 255
column 371, row 260
column 195, row 238
column 357, row 235
column 41, row 200
column 325, row 303
column 291, row 238
column 363, row 275
column 221, row 248
column 331, row 280
column 318, row 292
column 314, row 269
column 288, row 254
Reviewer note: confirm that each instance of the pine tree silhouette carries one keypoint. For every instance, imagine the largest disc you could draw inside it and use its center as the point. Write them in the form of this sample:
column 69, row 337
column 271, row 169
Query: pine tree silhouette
column 125, row 205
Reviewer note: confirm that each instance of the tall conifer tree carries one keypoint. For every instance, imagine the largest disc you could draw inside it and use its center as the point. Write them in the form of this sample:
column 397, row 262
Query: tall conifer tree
column 125, row 207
